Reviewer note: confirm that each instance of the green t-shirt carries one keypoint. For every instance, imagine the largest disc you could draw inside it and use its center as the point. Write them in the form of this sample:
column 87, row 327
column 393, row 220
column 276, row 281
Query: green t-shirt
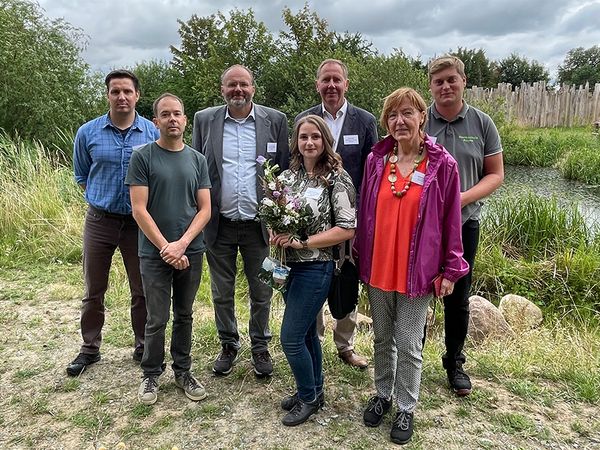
column 173, row 179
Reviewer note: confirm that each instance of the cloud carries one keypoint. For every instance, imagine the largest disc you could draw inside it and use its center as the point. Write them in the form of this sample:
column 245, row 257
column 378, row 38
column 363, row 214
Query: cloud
column 125, row 32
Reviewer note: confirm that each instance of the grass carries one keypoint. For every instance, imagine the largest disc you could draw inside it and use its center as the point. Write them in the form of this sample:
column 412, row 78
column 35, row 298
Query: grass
column 542, row 388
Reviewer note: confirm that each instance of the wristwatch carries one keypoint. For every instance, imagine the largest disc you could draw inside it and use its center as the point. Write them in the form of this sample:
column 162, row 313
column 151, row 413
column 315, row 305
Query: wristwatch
column 304, row 242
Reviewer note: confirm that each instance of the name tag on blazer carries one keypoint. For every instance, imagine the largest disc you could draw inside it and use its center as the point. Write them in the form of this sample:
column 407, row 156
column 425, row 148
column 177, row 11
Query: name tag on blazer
column 271, row 147
column 351, row 139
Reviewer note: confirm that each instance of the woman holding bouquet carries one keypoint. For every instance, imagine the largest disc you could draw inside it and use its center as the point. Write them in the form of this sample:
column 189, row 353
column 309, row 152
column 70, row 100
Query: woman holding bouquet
column 409, row 233
column 316, row 174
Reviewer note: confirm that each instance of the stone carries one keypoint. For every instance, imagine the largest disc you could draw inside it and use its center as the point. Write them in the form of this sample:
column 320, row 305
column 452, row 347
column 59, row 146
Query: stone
column 520, row 313
column 486, row 321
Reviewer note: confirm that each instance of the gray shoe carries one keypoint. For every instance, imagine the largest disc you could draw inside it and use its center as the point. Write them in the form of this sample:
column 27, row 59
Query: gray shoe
column 191, row 386
column 148, row 391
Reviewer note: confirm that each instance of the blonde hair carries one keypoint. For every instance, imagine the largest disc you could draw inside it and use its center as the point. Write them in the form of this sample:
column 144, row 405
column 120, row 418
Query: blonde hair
column 445, row 62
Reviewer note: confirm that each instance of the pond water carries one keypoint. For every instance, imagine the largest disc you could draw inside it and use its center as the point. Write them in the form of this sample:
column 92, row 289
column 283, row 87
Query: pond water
column 548, row 182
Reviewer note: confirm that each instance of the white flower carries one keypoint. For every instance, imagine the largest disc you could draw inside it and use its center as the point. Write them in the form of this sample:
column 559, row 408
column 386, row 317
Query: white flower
column 268, row 202
column 272, row 185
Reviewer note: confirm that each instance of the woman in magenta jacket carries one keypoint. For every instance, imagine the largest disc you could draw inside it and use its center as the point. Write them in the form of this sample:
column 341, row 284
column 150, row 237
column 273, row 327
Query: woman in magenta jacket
column 408, row 233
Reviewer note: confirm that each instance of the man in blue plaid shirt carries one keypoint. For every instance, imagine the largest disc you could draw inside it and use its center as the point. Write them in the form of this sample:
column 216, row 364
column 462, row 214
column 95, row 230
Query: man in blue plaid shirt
column 101, row 155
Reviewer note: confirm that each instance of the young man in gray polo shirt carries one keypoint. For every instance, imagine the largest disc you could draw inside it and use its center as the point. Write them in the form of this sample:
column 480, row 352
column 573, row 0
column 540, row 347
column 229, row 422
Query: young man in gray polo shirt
column 472, row 138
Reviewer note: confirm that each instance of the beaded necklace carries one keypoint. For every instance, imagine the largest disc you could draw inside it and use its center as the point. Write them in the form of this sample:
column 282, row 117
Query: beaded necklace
column 392, row 177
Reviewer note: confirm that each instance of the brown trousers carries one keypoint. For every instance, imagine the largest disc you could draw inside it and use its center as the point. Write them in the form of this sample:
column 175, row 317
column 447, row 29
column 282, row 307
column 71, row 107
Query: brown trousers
column 102, row 234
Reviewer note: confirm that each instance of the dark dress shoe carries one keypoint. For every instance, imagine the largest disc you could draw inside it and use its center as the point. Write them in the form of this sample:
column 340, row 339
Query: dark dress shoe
column 289, row 401
column 353, row 359
column 78, row 365
column 300, row 413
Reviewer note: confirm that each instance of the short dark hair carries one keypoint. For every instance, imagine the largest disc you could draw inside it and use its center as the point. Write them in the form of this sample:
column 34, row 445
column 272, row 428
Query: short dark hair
column 122, row 73
column 166, row 95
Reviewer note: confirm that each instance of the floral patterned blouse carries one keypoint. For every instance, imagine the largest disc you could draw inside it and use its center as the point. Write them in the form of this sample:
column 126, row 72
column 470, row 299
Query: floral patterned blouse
column 316, row 193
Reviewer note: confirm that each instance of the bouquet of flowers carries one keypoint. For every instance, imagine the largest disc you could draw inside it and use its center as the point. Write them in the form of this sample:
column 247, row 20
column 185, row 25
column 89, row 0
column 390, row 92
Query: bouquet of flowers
column 283, row 211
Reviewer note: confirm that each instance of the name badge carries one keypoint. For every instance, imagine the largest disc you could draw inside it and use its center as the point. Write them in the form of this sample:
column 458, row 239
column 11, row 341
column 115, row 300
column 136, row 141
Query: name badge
column 313, row 193
column 271, row 147
column 418, row 178
column 351, row 139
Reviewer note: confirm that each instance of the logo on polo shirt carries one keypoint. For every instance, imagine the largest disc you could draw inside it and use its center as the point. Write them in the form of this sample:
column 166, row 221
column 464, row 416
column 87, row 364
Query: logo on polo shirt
column 469, row 139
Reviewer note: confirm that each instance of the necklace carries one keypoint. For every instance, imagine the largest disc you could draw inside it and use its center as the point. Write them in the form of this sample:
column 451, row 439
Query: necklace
column 392, row 177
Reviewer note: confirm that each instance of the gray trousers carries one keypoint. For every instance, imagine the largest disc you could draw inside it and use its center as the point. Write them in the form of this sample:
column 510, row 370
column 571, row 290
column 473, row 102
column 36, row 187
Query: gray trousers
column 163, row 283
column 245, row 236
column 399, row 326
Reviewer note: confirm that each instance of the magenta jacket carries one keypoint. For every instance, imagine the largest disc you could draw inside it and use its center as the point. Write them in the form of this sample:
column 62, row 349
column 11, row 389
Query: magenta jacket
column 436, row 244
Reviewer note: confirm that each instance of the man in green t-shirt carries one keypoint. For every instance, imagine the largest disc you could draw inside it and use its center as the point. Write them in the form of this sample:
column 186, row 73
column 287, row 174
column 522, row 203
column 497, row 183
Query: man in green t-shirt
column 170, row 198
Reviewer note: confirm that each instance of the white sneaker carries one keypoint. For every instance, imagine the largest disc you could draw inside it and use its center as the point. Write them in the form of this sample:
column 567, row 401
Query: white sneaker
column 191, row 386
column 148, row 391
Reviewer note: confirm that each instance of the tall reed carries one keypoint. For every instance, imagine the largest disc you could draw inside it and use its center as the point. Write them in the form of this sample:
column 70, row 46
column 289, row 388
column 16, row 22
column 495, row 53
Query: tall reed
column 41, row 208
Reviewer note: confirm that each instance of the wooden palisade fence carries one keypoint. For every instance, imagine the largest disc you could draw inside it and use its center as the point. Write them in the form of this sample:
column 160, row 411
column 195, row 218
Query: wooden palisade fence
column 536, row 106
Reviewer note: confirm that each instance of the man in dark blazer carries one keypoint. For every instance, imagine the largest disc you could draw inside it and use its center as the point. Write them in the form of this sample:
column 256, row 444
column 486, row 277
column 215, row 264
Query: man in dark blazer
column 355, row 132
column 231, row 137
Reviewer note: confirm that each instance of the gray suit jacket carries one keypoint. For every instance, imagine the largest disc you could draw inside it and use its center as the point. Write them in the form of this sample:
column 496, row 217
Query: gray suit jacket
column 271, row 126
column 357, row 122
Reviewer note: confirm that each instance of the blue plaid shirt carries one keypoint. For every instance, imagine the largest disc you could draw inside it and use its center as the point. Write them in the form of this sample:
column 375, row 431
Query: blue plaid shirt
column 101, row 157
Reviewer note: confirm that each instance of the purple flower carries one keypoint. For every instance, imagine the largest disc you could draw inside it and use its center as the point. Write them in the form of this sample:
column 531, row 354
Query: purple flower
column 261, row 160
column 276, row 194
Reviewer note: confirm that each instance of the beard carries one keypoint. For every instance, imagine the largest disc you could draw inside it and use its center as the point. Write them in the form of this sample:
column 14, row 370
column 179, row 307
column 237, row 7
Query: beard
column 238, row 102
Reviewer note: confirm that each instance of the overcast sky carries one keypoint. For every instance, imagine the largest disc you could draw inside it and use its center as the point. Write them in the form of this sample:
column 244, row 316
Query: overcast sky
column 124, row 32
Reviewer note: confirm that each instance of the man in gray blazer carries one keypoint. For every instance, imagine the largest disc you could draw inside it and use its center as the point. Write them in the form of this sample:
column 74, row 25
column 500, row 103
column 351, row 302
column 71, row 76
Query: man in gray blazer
column 231, row 137
column 355, row 132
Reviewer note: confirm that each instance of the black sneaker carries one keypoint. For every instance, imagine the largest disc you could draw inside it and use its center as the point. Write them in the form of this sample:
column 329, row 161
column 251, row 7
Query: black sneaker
column 290, row 401
column 402, row 427
column 78, row 365
column 223, row 365
column 300, row 413
column 138, row 353
column 376, row 409
column 263, row 364
column 459, row 381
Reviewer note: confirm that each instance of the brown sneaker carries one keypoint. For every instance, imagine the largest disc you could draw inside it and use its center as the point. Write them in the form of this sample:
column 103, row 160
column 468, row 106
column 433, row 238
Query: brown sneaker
column 353, row 359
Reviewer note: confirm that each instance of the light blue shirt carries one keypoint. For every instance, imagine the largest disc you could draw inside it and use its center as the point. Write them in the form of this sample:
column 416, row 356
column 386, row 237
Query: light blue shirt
column 238, row 186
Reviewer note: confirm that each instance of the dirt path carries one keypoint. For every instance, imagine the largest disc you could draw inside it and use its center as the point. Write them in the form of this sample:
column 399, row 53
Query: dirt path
column 42, row 408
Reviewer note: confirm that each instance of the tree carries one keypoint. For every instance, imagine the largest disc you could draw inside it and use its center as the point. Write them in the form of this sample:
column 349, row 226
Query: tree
column 46, row 88
column 479, row 69
column 156, row 78
column 516, row 69
column 580, row 66
column 211, row 44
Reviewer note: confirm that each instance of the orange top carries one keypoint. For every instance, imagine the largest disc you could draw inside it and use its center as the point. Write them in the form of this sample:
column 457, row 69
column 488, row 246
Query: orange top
column 395, row 220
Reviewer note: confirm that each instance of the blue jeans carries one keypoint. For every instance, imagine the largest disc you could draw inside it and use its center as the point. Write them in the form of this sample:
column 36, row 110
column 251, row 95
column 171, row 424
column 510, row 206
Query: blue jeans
column 307, row 289
column 160, row 279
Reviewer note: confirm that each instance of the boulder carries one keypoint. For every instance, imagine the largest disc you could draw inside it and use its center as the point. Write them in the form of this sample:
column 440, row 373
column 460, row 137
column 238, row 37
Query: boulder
column 486, row 321
column 520, row 313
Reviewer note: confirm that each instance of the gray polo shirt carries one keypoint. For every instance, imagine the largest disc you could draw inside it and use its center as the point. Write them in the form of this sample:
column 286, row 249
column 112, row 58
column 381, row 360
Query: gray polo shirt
column 469, row 137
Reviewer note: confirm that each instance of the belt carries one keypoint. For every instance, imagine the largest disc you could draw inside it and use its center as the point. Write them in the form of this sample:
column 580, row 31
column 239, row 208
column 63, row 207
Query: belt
column 227, row 219
column 109, row 214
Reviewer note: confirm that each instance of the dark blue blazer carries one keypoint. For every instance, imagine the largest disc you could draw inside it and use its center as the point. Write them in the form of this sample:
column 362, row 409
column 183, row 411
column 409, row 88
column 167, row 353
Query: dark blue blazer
column 357, row 122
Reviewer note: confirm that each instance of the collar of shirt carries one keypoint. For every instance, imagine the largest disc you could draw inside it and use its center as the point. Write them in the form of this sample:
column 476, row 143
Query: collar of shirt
column 341, row 112
column 108, row 122
column 461, row 114
column 251, row 114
